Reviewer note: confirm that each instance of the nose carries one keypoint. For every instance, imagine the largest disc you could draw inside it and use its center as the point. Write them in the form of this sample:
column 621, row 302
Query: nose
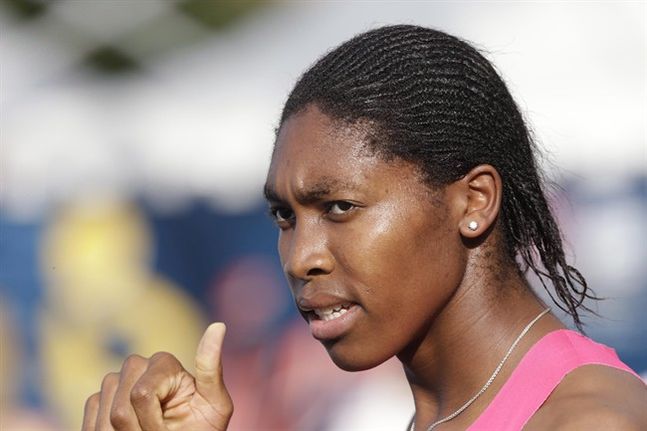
column 307, row 254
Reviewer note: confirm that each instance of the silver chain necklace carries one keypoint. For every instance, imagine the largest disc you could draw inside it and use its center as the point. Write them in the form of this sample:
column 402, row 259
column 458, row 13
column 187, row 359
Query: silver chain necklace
column 487, row 384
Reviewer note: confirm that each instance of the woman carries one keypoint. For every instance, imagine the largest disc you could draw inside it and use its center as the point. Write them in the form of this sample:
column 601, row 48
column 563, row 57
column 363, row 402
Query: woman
column 410, row 206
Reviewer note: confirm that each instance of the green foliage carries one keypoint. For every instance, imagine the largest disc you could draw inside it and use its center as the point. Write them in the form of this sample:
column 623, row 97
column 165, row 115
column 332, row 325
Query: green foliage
column 26, row 9
column 217, row 14
column 108, row 59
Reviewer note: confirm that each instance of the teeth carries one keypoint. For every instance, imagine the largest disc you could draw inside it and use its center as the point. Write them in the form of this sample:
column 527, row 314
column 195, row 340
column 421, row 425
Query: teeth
column 326, row 314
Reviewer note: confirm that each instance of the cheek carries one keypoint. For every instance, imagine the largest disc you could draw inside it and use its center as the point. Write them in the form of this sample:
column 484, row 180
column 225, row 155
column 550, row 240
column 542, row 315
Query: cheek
column 283, row 248
column 364, row 251
column 395, row 253
column 435, row 259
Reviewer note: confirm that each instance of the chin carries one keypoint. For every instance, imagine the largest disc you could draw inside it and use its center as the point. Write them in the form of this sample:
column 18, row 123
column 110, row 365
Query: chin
column 350, row 360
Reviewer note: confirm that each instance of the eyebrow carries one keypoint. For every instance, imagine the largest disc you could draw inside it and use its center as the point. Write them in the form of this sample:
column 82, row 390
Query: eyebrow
column 311, row 194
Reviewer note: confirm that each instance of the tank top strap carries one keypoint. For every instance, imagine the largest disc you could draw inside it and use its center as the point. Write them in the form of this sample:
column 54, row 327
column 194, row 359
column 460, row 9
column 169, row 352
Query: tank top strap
column 540, row 371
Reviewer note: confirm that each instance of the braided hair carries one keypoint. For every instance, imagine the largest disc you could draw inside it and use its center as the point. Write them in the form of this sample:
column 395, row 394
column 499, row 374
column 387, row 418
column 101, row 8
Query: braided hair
column 433, row 100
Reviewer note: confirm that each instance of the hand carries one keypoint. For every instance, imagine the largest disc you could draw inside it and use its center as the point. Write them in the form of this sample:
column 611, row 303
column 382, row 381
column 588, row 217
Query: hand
column 158, row 394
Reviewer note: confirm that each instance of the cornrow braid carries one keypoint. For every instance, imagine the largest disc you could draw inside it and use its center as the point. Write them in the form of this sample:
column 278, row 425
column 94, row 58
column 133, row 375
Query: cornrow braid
column 435, row 101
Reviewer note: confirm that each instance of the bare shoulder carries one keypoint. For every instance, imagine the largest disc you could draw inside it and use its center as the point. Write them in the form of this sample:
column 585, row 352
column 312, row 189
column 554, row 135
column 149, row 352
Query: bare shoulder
column 594, row 397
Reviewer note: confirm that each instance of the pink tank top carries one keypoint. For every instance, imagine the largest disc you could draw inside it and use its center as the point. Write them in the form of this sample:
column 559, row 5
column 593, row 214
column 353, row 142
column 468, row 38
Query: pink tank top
column 540, row 371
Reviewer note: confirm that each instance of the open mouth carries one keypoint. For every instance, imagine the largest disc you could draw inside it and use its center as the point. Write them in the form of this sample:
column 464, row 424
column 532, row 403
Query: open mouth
column 330, row 313
column 332, row 322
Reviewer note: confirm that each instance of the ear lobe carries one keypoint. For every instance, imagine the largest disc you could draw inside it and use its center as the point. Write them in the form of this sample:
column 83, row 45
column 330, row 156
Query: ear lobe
column 484, row 191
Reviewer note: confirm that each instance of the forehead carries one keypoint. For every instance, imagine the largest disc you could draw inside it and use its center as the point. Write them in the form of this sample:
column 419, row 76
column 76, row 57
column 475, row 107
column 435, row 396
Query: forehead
column 312, row 147
column 311, row 134
column 316, row 158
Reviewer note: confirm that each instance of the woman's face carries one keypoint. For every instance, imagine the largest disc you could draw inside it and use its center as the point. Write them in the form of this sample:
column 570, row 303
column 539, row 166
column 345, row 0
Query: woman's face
column 371, row 253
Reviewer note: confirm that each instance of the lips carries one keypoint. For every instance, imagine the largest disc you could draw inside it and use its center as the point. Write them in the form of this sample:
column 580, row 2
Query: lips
column 334, row 325
column 328, row 316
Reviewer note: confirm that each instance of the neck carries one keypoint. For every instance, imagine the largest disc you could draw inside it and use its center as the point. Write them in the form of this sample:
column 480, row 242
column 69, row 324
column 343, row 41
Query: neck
column 466, row 342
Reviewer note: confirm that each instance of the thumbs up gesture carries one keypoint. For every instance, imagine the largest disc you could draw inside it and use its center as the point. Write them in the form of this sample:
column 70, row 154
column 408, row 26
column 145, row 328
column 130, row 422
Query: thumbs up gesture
column 158, row 394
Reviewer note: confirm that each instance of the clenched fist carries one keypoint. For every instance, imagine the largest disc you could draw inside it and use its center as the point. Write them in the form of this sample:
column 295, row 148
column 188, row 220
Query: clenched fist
column 158, row 394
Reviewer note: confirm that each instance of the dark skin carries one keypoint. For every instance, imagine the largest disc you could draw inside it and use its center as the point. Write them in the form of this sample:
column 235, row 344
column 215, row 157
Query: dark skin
column 367, row 235
column 157, row 393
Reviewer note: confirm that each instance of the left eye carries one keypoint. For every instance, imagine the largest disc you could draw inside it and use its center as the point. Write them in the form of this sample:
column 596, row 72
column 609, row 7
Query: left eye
column 341, row 207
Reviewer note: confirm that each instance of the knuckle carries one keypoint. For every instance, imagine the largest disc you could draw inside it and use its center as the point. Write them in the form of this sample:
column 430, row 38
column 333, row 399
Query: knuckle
column 163, row 357
column 109, row 380
column 119, row 416
column 134, row 362
column 165, row 361
column 92, row 401
column 141, row 394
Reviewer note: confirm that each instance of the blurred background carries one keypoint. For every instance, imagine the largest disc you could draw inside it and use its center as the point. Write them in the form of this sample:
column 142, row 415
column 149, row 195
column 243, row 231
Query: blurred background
column 135, row 136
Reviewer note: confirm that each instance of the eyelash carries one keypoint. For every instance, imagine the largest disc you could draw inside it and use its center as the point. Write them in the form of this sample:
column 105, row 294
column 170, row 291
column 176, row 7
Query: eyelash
column 344, row 206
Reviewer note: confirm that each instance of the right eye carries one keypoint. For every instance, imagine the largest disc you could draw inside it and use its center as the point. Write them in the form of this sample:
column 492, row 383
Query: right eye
column 282, row 216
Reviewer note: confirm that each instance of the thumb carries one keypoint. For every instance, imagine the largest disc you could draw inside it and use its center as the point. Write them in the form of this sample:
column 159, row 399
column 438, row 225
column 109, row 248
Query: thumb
column 208, row 365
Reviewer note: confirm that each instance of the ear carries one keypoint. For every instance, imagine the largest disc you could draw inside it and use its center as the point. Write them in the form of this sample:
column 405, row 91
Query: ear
column 483, row 191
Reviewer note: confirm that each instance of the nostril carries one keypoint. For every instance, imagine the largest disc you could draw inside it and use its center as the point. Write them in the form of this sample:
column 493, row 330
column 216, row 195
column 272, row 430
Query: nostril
column 316, row 271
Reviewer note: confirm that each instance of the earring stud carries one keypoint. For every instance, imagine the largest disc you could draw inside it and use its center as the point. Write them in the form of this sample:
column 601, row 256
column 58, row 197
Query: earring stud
column 473, row 225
